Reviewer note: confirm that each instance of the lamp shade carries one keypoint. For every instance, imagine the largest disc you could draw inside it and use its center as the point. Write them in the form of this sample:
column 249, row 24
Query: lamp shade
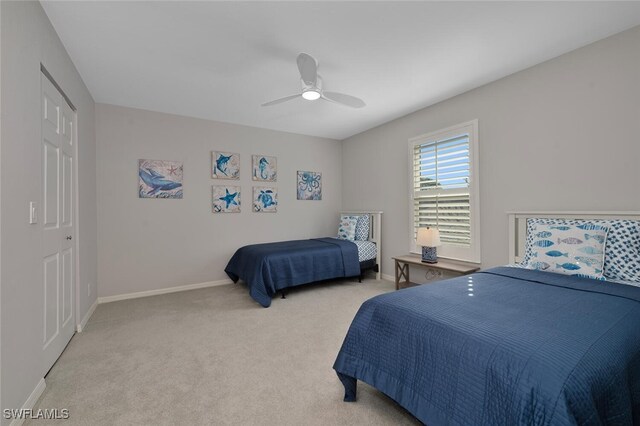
column 428, row 237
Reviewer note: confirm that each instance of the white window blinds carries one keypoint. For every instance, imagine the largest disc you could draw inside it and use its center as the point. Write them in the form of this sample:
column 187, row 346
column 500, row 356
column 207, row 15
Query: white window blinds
column 444, row 189
column 441, row 188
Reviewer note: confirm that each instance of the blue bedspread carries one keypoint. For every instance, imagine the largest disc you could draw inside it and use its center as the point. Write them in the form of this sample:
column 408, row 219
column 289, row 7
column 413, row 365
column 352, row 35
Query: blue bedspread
column 267, row 268
column 528, row 348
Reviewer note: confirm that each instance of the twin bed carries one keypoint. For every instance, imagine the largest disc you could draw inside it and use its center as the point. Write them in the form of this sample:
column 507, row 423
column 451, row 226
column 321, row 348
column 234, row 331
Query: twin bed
column 509, row 345
column 272, row 267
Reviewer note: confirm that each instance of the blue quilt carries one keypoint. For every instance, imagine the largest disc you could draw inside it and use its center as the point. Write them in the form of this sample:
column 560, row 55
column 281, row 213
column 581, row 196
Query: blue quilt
column 267, row 268
column 506, row 346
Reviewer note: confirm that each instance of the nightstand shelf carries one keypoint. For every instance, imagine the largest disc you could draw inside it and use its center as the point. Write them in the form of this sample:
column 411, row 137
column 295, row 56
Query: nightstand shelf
column 402, row 264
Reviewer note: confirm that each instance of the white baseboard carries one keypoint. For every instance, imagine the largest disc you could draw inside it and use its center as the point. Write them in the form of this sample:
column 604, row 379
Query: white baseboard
column 107, row 299
column 31, row 401
column 85, row 320
column 389, row 278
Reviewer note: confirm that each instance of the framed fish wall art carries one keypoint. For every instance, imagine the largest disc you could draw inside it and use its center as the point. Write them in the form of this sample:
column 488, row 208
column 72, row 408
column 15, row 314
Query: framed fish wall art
column 225, row 199
column 309, row 185
column 265, row 199
column 225, row 165
column 265, row 168
column 160, row 179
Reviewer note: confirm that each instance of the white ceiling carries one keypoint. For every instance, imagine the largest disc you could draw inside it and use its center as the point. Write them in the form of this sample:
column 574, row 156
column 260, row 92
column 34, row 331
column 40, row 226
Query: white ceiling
column 221, row 60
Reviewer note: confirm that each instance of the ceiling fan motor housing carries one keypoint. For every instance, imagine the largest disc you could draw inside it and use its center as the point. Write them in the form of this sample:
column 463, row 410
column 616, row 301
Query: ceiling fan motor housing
column 317, row 87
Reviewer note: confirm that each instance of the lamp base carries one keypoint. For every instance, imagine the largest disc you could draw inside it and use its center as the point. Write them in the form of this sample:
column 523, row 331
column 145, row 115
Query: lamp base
column 429, row 255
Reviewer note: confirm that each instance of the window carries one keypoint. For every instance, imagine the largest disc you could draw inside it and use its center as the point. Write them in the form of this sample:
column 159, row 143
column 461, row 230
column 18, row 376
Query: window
column 444, row 189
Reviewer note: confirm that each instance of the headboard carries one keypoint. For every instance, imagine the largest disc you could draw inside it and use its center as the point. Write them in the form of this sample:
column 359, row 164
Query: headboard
column 375, row 233
column 518, row 225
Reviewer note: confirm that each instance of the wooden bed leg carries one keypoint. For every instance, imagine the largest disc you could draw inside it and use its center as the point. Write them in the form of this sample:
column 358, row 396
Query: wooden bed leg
column 284, row 296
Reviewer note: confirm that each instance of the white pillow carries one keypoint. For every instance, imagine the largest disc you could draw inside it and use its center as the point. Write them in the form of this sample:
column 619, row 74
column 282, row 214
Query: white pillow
column 621, row 253
column 347, row 228
column 568, row 249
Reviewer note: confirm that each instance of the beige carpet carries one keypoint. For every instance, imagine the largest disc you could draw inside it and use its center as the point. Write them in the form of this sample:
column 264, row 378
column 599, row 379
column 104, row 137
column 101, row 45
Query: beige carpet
column 214, row 356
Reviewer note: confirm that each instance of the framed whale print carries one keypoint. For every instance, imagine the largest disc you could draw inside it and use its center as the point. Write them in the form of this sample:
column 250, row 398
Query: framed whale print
column 225, row 199
column 225, row 165
column 160, row 179
column 265, row 199
column 309, row 185
column 264, row 168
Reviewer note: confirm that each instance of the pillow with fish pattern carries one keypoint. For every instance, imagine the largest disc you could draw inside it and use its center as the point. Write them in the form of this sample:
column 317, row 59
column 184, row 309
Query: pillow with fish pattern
column 622, row 249
column 568, row 249
column 347, row 228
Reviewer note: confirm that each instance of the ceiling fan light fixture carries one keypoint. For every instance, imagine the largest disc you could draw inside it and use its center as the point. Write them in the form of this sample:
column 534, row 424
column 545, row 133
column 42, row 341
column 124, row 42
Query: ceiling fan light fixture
column 312, row 88
column 311, row 95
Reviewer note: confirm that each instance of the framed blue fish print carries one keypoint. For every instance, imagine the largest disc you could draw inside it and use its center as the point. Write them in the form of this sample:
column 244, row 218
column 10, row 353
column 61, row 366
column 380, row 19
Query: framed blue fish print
column 309, row 185
column 225, row 165
column 225, row 199
column 265, row 168
column 160, row 179
column 265, row 199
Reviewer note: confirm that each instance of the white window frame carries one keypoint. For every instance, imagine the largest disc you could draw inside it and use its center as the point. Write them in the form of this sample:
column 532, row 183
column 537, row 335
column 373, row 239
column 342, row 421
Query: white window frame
column 452, row 251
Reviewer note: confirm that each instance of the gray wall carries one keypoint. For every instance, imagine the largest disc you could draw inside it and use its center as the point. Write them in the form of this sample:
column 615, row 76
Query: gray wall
column 562, row 135
column 149, row 244
column 28, row 39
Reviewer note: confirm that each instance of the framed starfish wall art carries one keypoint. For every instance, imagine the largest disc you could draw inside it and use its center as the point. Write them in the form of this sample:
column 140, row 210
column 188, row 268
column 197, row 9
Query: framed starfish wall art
column 160, row 179
column 225, row 165
column 225, row 199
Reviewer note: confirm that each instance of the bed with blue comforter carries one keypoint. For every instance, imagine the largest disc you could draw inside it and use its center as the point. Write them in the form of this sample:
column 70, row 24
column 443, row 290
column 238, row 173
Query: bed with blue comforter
column 505, row 346
column 268, row 268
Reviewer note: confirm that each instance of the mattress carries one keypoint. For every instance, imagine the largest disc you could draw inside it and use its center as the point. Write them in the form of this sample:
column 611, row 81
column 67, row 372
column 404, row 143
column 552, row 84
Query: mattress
column 367, row 250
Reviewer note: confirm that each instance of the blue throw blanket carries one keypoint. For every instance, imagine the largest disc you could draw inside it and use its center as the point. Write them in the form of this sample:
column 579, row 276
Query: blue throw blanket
column 267, row 268
column 506, row 346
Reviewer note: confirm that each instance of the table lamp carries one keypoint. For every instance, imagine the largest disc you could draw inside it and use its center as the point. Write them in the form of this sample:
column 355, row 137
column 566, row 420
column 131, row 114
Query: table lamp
column 429, row 239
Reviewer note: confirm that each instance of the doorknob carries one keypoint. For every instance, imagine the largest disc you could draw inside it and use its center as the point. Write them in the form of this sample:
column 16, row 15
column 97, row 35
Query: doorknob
column 69, row 237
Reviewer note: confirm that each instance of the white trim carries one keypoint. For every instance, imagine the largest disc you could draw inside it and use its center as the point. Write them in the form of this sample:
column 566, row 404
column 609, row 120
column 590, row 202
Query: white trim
column 136, row 295
column 31, row 401
column 518, row 225
column 85, row 320
column 389, row 278
column 77, row 287
column 361, row 212
column 576, row 213
column 451, row 251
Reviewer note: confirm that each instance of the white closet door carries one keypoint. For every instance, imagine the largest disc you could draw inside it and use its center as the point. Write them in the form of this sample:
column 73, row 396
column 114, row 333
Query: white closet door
column 58, row 222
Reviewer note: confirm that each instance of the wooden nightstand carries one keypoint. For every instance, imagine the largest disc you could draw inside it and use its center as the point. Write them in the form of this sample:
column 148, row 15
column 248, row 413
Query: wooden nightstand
column 449, row 266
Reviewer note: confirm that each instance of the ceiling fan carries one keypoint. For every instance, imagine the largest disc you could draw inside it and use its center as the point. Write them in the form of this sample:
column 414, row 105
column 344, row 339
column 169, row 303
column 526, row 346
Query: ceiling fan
column 312, row 86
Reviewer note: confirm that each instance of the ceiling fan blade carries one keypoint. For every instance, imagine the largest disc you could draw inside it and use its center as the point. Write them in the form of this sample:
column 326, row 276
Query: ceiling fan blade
column 341, row 98
column 308, row 67
column 278, row 101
